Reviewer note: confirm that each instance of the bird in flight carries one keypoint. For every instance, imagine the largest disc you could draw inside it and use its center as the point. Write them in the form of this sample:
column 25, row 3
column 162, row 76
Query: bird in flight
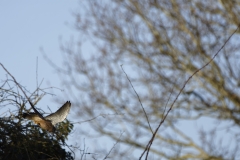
column 48, row 122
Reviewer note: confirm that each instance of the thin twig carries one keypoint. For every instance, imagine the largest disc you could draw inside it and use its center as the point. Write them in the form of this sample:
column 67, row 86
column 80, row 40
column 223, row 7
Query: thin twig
column 148, row 146
column 165, row 107
column 138, row 99
column 15, row 81
column 113, row 146
column 100, row 115
column 37, row 73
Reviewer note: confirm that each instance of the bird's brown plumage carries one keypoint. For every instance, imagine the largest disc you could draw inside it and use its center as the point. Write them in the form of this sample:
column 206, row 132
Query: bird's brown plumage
column 49, row 121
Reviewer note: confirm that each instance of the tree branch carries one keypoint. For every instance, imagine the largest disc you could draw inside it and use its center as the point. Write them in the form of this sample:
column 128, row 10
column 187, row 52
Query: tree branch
column 138, row 99
column 148, row 146
column 15, row 81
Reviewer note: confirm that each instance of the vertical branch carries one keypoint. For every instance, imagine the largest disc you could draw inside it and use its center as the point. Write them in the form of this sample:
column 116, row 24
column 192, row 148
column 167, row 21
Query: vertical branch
column 138, row 100
column 37, row 74
column 148, row 146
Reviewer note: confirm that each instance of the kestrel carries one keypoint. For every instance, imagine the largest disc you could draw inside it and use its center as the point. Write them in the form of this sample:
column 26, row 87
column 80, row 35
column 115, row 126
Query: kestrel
column 49, row 121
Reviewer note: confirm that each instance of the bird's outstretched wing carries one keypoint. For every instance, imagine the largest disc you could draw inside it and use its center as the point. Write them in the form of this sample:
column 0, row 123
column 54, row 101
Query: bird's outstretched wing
column 60, row 114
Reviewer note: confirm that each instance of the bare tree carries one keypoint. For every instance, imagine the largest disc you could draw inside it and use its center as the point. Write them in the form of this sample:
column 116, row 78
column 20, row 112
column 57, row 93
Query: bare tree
column 160, row 44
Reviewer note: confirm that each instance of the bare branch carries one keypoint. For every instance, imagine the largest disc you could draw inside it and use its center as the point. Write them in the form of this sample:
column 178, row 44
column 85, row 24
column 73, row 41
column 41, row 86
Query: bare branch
column 138, row 100
column 113, row 146
column 100, row 115
column 148, row 146
column 22, row 91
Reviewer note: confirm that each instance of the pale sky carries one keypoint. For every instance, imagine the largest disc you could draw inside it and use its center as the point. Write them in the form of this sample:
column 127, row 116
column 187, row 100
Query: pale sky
column 25, row 26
